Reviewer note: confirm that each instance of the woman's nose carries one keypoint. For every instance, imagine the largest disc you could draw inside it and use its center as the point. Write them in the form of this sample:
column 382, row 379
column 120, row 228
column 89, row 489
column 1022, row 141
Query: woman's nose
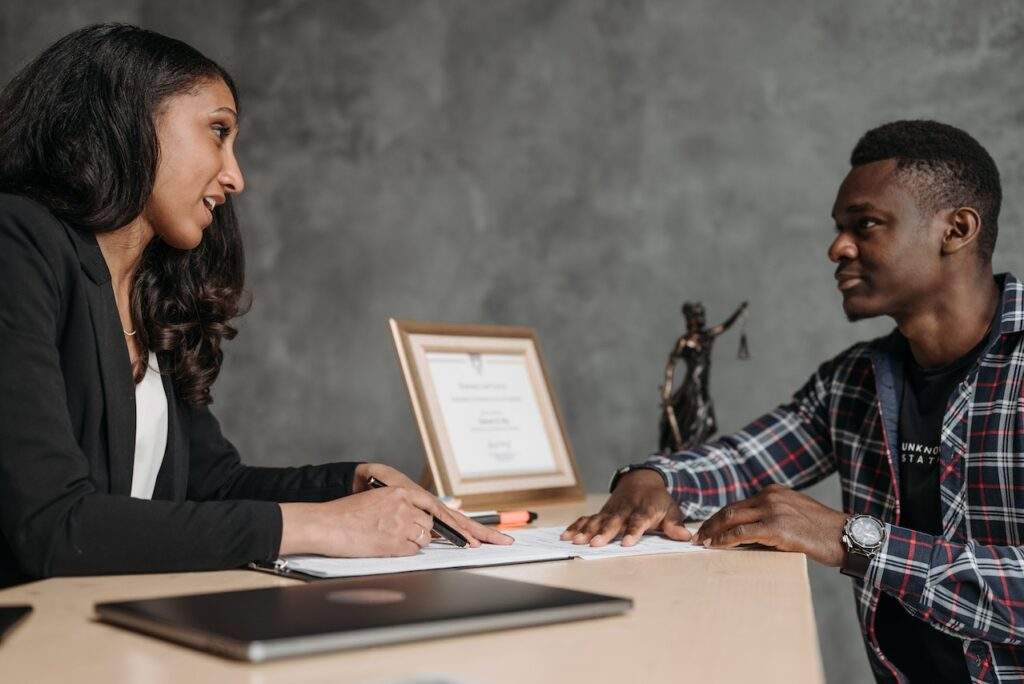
column 231, row 176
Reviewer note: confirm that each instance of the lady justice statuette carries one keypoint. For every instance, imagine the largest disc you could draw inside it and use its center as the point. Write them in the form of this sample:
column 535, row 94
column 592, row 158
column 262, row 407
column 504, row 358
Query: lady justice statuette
column 688, row 414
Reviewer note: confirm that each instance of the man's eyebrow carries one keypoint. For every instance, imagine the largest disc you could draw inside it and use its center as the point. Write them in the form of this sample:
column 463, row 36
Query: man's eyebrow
column 857, row 208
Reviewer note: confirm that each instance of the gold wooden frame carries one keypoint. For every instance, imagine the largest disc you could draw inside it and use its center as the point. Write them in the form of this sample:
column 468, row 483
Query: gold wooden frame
column 412, row 340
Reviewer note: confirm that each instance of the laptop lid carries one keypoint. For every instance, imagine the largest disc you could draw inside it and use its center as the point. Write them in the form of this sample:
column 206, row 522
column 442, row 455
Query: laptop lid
column 263, row 624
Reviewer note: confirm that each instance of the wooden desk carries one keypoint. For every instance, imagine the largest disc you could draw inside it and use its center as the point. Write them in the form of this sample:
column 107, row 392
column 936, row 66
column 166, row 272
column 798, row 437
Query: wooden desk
column 725, row 616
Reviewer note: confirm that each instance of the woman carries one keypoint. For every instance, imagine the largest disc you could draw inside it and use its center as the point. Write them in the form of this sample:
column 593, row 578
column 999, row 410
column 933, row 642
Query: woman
column 120, row 269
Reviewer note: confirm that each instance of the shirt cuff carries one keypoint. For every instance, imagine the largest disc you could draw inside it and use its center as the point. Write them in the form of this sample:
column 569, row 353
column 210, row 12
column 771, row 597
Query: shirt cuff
column 684, row 486
column 901, row 566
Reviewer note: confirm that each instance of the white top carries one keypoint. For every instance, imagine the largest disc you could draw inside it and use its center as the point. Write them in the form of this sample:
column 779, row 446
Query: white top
column 150, row 430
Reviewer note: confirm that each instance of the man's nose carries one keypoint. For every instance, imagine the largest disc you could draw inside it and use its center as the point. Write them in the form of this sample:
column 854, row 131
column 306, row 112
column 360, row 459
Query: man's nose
column 842, row 248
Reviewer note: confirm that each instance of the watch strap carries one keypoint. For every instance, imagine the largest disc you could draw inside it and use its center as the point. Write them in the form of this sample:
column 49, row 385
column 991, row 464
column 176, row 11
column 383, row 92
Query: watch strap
column 630, row 468
column 855, row 564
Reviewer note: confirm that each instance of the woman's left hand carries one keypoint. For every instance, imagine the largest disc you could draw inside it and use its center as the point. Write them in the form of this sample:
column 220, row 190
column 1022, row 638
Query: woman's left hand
column 474, row 532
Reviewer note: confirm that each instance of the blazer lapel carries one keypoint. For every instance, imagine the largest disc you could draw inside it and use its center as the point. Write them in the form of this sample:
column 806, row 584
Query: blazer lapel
column 115, row 366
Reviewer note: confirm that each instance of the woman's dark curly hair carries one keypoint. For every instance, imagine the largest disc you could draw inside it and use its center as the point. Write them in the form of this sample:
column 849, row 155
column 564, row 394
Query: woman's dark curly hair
column 77, row 134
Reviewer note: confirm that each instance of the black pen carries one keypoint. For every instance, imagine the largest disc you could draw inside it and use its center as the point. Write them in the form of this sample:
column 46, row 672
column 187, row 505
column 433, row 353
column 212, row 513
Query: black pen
column 440, row 527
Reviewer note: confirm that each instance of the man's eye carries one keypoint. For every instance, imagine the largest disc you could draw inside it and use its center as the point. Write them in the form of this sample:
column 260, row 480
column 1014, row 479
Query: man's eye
column 866, row 223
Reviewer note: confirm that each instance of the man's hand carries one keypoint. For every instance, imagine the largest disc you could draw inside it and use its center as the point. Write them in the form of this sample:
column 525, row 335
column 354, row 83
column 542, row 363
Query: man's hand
column 640, row 503
column 781, row 518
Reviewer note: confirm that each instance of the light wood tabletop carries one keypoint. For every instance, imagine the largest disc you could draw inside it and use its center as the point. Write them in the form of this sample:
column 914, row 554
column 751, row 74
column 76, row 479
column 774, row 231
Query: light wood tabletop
column 720, row 616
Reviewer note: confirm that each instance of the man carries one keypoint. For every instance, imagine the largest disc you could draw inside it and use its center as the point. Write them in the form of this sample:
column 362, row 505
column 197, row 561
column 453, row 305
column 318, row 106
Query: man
column 924, row 426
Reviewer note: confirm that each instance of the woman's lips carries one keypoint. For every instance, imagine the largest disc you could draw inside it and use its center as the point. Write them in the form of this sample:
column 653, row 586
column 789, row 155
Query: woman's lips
column 209, row 217
column 209, row 203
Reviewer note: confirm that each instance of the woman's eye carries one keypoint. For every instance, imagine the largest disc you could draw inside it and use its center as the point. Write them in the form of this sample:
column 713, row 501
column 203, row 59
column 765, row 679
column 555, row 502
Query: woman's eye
column 221, row 130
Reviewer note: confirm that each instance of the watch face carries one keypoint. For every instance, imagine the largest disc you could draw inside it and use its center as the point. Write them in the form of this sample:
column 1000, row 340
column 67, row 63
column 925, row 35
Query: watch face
column 866, row 531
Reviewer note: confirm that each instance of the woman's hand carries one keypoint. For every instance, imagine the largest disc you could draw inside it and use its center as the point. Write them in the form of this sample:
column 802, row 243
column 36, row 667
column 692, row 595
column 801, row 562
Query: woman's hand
column 382, row 522
column 386, row 474
column 391, row 521
column 474, row 532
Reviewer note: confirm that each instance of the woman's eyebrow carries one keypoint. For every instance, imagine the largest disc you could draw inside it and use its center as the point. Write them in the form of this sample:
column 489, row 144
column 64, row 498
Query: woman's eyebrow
column 227, row 110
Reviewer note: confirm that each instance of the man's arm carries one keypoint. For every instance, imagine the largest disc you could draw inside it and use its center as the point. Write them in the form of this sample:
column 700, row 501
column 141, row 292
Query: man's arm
column 969, row 590
column 790, row 446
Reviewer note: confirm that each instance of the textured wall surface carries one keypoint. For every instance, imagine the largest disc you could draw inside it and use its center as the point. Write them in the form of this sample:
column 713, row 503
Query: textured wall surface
column 579, row 167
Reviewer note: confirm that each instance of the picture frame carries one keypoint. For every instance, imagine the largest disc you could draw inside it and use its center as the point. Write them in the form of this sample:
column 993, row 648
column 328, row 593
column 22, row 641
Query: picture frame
column 492, row 431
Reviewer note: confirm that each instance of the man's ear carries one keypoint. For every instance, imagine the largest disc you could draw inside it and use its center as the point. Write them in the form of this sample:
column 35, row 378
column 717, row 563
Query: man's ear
column 962, row 228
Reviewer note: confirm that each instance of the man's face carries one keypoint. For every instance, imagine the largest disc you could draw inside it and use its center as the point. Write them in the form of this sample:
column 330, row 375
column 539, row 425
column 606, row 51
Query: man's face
column 887, row 252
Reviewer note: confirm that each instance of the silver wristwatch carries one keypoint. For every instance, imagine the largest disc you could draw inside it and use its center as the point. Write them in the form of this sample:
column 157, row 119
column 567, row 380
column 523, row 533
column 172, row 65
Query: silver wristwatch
column 863, row 536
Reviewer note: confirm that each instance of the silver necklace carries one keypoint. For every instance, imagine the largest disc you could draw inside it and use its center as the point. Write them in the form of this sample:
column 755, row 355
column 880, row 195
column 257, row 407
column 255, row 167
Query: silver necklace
column 129, row 333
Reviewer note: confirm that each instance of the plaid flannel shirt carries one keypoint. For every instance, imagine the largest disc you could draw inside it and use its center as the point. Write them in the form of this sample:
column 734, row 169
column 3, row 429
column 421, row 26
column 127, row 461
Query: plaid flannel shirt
column 968, row 582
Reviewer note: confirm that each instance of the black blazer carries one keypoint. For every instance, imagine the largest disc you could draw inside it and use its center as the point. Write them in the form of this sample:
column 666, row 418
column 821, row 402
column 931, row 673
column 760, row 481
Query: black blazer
column 67, row 433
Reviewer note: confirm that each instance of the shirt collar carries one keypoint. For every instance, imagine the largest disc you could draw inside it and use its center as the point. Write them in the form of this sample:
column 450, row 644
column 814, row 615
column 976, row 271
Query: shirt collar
column 1011, row 305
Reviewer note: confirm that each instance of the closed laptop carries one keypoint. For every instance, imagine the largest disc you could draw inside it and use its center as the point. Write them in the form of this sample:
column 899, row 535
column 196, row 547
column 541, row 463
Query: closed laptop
column 263, row 624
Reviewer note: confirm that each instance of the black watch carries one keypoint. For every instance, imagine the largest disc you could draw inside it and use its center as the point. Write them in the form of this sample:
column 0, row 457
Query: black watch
column 630, row 468
column 863, row 536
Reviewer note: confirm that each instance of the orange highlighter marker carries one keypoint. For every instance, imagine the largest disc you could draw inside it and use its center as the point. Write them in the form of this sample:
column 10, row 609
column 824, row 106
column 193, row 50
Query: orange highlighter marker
column 503, row 518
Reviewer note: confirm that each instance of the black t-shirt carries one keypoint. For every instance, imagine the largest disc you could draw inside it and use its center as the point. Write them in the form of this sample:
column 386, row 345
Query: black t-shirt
column 920, row 651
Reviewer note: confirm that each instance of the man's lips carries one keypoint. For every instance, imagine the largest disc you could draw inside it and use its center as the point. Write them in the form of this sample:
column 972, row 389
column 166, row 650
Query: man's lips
column 848, row 280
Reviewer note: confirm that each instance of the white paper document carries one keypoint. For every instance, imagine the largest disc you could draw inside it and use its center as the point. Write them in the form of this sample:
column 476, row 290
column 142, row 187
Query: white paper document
column 539, row 544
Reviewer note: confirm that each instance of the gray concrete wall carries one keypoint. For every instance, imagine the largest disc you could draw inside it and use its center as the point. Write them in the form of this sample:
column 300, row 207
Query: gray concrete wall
column 579, row 167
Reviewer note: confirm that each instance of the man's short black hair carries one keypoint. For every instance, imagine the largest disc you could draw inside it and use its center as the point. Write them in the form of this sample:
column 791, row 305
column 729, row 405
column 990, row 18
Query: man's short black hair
column 944, row 166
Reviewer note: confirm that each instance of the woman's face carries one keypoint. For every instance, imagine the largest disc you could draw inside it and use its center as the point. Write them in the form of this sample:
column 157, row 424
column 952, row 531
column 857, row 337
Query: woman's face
column 197, row 169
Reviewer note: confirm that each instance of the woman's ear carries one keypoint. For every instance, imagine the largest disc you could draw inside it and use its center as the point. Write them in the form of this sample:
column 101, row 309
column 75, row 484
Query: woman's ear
column 962, row 228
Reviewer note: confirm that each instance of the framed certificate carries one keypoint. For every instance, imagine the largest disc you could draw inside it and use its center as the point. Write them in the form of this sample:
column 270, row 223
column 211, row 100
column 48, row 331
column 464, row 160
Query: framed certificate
column 491, row 428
